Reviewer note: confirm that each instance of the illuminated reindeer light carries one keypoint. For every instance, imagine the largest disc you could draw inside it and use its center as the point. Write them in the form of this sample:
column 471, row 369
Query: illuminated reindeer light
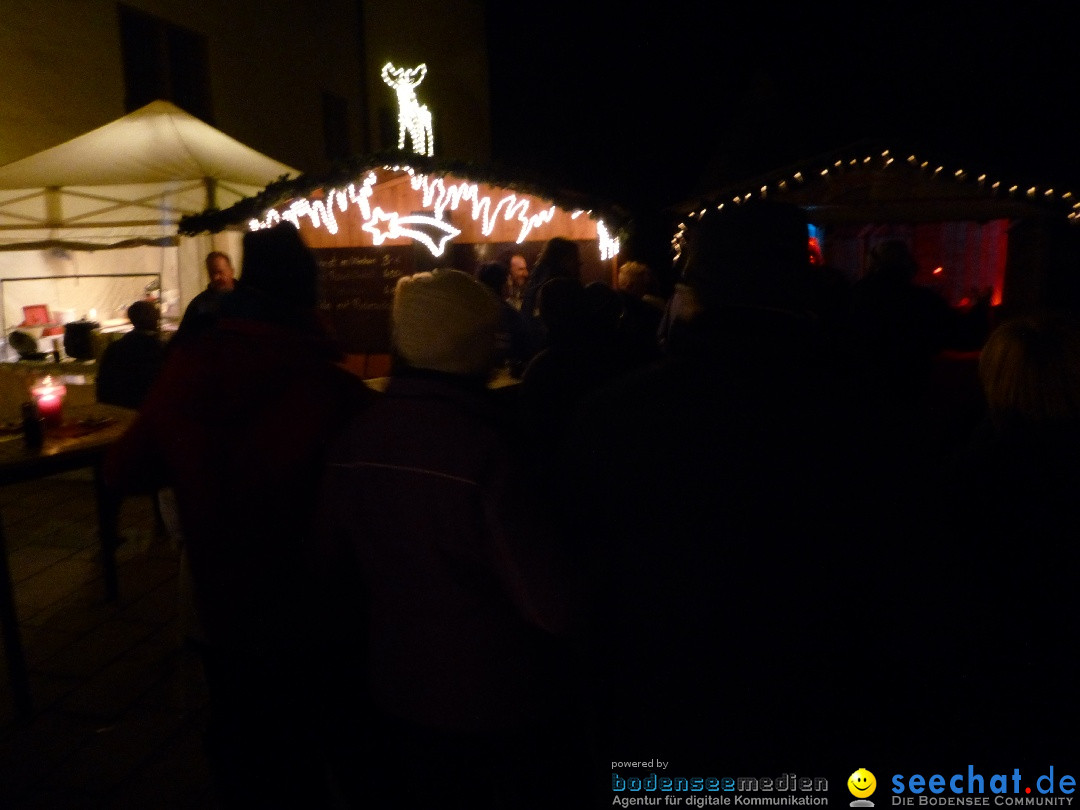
column 413, row 117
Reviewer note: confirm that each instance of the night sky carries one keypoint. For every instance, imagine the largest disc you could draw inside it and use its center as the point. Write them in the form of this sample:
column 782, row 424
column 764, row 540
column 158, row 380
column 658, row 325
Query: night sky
column 650, row 106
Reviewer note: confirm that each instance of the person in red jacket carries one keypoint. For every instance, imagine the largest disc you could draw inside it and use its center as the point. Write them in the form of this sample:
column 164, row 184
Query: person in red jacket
column 238, row 424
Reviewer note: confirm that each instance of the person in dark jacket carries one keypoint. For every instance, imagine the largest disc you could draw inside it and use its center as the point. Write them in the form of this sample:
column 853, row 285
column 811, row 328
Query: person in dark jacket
column 203, row 311
column 130, row 365
column 426, row 512
column 1011, row 526
column 510, row 338
column 715, row 517
column 238, row 425
column 559, row 258
column 899, row 326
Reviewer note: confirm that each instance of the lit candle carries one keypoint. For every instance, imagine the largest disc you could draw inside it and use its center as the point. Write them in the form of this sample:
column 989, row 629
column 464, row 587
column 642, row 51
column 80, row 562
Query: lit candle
column 49, row 397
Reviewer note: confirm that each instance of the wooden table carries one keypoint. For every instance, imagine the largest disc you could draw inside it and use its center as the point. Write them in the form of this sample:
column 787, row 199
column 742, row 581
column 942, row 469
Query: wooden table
column 81, row 442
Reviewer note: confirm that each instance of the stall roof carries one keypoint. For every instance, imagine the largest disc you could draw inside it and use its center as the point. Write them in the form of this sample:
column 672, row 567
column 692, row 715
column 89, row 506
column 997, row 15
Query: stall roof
column 305, row 185
column 128, row 182
column 869, row 182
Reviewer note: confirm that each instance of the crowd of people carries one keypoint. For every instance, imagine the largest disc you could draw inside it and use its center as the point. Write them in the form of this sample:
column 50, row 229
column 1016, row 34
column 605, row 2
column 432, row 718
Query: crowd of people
column 739, row 527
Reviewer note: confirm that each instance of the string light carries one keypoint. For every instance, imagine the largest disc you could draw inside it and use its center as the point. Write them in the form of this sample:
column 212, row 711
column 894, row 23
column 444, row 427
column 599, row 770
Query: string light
column 436, row 195
column 440, row 196
column 398, row 226
column 678, row 241
column 609, row 244
column 414, row 118
column 960, row 175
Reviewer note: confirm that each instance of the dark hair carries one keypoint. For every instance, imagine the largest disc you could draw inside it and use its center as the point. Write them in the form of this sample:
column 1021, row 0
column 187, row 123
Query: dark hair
column 750, row 254
column 506, row 255
column 493, row 275
column 559, row 258
column 143, row 315
column 280, row 267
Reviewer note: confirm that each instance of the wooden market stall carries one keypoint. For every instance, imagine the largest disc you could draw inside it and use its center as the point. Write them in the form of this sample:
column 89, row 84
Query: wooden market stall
column 380, row 219
column 971, row 231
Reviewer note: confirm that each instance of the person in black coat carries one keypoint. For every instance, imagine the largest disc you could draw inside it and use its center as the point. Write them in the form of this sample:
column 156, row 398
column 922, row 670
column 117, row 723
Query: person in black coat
column 1011, row 513
column 202, row 313
column 510, row 339
column 714, row 497
column 130, row 365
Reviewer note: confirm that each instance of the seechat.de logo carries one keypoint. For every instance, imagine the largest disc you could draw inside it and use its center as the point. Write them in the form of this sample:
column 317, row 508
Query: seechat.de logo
column 975, row 789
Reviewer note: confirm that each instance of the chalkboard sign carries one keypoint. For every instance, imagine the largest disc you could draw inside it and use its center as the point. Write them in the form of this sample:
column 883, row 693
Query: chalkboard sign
column 356, row 289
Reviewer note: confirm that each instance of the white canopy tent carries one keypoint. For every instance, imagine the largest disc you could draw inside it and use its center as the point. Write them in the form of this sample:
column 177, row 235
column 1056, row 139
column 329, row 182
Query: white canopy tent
column 92, row 223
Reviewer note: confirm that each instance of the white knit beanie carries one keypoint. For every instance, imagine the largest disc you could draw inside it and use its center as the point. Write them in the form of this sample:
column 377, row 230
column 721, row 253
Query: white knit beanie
column 445, row 321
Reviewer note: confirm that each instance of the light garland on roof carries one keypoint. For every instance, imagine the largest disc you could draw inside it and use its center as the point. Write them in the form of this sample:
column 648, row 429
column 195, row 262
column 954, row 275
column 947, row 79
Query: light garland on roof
column 436, row 195
column 609, row 244
column 321, row 212
column 961, row 175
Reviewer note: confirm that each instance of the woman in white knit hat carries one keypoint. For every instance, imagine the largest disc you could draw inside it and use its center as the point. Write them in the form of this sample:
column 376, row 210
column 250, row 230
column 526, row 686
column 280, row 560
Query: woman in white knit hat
column 466, row 595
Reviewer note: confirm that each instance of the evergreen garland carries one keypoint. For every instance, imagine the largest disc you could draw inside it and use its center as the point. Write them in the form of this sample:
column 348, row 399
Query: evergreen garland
column 284, row 189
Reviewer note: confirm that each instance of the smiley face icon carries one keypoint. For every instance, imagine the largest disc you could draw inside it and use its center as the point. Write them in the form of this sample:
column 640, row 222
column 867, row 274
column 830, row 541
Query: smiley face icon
column 861, row 783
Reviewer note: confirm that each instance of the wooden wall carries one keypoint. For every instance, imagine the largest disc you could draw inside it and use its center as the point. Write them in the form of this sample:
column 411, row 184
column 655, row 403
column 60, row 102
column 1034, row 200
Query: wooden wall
column 357, row 276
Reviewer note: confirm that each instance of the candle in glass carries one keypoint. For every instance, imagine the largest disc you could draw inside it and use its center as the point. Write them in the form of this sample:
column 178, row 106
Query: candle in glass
column 49, row 397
